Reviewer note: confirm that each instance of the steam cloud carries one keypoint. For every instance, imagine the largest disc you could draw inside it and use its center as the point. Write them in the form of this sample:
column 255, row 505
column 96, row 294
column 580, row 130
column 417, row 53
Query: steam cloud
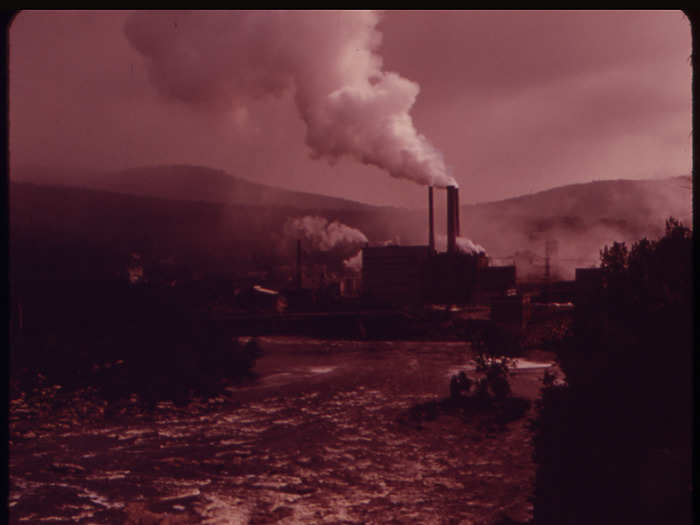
column 467, row 246
column 354, row 263
column 322, row 234
column 329, row 59
column 464, row 245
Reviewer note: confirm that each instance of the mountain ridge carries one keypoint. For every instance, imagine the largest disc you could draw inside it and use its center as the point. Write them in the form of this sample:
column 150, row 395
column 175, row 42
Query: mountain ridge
column 581, row 217
column 184, row 182
column 200, row 183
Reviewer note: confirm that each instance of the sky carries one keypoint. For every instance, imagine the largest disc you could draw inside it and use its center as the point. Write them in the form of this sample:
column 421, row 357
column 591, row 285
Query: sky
column 504, row 102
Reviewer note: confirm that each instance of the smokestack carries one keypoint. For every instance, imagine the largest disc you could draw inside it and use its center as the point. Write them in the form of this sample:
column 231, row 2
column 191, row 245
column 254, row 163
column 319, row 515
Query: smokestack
column 452, row 218
column 431, row 223
column 455, row 196
column 299, row 263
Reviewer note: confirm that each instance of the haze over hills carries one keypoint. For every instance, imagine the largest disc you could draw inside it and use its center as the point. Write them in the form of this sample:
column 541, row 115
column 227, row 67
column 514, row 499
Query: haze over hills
column 581, row 218
column 216, row 219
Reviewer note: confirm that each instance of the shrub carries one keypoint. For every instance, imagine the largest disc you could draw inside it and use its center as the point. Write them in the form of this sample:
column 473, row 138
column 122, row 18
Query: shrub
column 493, row 371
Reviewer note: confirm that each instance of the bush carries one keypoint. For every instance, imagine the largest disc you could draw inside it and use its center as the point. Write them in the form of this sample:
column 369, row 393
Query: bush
column 489, row 397
column 494, row 372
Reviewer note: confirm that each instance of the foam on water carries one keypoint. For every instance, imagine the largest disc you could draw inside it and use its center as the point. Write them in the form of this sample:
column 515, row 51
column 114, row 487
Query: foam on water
column 520, row 364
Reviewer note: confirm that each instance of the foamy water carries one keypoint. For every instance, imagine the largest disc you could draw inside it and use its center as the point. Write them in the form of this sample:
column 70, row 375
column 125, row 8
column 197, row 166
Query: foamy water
column 518, row 365
column 316, row 456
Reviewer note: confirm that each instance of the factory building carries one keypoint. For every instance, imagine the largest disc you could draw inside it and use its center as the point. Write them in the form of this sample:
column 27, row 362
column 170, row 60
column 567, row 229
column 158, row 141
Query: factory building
column 394, row 274
column 418, row 274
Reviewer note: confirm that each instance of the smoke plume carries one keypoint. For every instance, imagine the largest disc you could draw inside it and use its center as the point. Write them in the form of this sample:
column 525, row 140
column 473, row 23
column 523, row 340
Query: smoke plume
column 324, row 235
column 464, row 245
column 328, row 59
column 467, row 246
column 354, row 263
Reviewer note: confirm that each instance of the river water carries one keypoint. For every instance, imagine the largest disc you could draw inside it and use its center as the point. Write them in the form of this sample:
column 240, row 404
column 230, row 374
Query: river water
column 322, row 437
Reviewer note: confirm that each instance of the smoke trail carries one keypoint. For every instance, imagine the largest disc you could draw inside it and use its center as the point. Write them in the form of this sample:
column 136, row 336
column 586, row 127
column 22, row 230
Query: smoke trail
column 329, row 59
column 324, row 235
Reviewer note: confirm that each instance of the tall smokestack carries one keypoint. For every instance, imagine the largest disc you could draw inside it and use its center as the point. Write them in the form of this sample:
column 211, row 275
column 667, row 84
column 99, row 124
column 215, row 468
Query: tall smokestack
column 455, row 197
column 431, row 222
column 452, row 218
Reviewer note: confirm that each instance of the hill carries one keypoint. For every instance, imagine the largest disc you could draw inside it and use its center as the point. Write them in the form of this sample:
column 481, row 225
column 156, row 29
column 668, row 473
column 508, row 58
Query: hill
column 217, row 222
column 59, row 231
column 580, row 218
column 184, row 182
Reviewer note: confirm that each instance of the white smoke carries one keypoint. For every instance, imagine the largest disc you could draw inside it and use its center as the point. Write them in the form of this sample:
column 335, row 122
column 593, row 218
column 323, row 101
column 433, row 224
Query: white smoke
column 467, row 246
column 351, row 106
column 464, row 245
column 354, row 263
column 322, row 234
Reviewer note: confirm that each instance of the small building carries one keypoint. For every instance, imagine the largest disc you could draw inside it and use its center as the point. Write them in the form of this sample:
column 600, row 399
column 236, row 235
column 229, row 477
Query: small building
column 494, row 282
column 496, row 278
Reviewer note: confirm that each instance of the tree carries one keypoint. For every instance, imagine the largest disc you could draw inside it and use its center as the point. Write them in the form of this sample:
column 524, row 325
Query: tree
column 628, row 403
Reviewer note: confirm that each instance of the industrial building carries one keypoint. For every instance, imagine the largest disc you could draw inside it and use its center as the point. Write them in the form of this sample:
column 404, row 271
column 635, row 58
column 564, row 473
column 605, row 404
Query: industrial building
column 395, row 273
column 419, row 274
